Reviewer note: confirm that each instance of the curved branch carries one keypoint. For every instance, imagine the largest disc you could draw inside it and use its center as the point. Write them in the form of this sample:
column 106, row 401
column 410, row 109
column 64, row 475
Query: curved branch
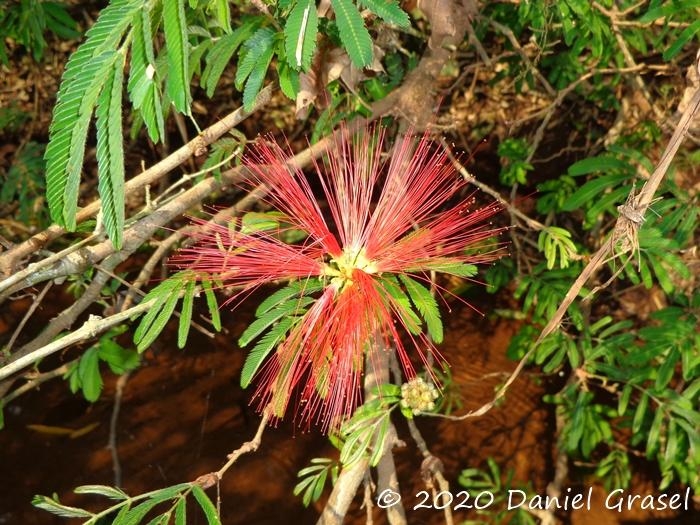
column 93, row 326
column 195, row 147
column 626, row 225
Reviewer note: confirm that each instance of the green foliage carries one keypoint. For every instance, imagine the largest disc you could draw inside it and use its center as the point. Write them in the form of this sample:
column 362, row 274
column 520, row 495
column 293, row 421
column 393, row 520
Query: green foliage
column 221, row 153
column 614, row 470
column 542, row 291
column 556, row 243
column 133, row 510
column 255, row 59
column 178, row 80
column 166, row 296
column 652, row 372
column 364, row 434
column 92, row 82
column 82, row 82
column 402, row 304
column 12, row 118
column 300, row 34
column 387, row 10
column 574, row 37
column 27, row 21
column 110, row 152
column 452, row 398
column 424, row 301
column 84, row 375
column 353, row 33
column 221, row 52
column 23, row 184
column 490, row 481
column 277, row 315
column 143, row 85
column 674, row 12
column 313, row 479
column 514, row 153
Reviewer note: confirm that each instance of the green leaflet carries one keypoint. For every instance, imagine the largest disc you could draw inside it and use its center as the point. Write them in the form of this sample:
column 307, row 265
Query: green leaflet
column 289, row 80
column 686, row 36
column 186, row 314
column 267, row 319
column 365, row 434
column 402, row 304
column 181, row 512
column 313, row 479
column 110, row 152
column 175, row 30
column 427, row 306
column 459, row 269
column 89, row 374
column 102, row 490
column 166, row 295
column 142, row 87
column 136, row 514
column 66, row 148
column 206, row 505
column 252, row 67
column 212, row 304
column 387, row 10
column 599, row 163
column 80, row 86
column 590, row 190
column 353, row 33
column 54, row 507
column 300, row 34
column 221, row 52
column 266, row 344
column 668, row 9
column 294, row 288
column 222, row 13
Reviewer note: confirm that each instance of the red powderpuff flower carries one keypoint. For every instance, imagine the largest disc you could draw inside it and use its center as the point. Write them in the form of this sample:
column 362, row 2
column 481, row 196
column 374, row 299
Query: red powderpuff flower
column 387, row 218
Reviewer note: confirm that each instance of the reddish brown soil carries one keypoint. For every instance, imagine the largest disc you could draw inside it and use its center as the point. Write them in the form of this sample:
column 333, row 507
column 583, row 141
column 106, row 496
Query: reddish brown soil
column 183, row 412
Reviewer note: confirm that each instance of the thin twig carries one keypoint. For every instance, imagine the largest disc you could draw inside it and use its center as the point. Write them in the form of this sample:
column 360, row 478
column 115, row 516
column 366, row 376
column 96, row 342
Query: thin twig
column 90, row 328
column 112, row 442
column 532, row 223
column 620, row 231
column 212, row 478
column 17, row 277
column 30, row 311
column 508, row 33
column 195, row 147
column 34, row 380
column 367, row 499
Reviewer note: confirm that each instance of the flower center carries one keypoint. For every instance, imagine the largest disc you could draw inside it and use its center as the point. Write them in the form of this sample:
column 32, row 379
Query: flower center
column 342, row 268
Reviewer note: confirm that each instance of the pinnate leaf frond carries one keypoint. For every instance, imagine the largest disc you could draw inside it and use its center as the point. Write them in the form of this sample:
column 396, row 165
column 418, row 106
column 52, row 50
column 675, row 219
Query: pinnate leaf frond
column 300, row 33
column 175, row 30
column 81, row 84
column 110, row 152
column 353, row 33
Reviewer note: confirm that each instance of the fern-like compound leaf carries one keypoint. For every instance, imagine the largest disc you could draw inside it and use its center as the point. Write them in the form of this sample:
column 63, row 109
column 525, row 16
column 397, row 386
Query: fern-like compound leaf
column 81, row 84
column 142, row 86
column 387, row 10
column 353, row 33
column 110, row 152
column 175, row 30
column 221, row 52
column 253, row 49
column 426, row 305
column 300, row 33
column 261, row 350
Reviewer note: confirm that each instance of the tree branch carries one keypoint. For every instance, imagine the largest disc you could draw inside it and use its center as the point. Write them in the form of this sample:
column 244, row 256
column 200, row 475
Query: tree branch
column 195, row 147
